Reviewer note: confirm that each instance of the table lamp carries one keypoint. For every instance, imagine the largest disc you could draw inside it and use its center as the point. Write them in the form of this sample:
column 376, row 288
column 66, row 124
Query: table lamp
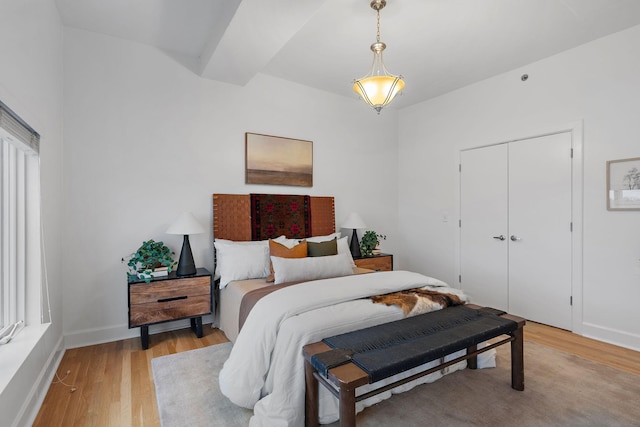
column 354, row 221
column 186, row 224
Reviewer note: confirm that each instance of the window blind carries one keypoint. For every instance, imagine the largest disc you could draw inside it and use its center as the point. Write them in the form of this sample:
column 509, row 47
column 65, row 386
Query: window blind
column 15, row 126
column 20, row 234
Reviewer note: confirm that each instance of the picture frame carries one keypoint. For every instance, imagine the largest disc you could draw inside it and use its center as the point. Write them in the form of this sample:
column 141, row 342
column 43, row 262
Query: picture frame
column 276, row 160
column 623, row 184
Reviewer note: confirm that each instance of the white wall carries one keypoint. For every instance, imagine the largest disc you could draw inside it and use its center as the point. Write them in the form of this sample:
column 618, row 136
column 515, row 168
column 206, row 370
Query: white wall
column 596, row 83
column 146, row 139
column 31, row 84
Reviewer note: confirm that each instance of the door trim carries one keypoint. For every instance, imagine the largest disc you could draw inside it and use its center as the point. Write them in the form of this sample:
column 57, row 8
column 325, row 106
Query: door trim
column 576, row 130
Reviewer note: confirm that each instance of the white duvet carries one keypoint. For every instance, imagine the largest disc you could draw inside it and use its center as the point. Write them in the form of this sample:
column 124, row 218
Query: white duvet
column 265, row 370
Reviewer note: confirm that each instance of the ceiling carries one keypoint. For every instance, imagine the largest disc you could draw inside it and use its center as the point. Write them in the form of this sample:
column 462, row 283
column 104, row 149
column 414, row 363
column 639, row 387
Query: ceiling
column 437, row 45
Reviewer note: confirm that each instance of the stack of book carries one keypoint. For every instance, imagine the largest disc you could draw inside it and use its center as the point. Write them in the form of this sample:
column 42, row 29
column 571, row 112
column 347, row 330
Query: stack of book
column 157, row 272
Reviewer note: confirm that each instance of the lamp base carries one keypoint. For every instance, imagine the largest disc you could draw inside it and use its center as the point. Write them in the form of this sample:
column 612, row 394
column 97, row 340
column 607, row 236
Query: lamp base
column 355, row 245
column 186, row 265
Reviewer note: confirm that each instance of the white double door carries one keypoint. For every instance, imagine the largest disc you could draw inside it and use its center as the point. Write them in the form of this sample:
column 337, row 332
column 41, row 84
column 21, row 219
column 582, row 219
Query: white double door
column 516, row 236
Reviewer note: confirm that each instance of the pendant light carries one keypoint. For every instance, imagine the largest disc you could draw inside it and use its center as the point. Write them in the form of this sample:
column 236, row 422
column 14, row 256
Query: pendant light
column 378, row 87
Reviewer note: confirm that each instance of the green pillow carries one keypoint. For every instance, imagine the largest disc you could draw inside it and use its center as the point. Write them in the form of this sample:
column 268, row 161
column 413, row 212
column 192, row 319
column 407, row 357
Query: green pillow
column 329, row 247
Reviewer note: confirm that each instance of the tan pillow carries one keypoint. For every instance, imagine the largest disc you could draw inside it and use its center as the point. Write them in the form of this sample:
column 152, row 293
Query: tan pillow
column 280, row 250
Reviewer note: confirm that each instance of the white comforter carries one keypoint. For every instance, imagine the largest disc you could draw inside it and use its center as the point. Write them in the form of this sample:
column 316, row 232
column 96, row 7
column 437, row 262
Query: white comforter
column 265, row 370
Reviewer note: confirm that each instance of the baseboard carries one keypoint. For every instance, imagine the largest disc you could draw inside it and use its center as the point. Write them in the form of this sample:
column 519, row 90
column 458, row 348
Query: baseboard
column 32, row 404
column 95, row 336
column 611, row 336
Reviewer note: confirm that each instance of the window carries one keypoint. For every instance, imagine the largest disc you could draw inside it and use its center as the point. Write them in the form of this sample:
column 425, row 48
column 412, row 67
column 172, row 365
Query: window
column 20, row 267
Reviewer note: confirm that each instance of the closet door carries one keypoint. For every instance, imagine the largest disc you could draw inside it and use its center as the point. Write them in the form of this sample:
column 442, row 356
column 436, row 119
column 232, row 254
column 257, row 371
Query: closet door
column 484, row 231
column 540, row 229
column 515, row 236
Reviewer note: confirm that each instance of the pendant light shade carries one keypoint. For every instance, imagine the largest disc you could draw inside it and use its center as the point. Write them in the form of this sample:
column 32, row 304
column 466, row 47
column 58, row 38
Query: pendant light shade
column 378, row 87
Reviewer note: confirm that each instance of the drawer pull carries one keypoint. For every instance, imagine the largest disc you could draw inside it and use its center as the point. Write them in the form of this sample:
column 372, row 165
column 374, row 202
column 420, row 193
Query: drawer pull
column 173, row 298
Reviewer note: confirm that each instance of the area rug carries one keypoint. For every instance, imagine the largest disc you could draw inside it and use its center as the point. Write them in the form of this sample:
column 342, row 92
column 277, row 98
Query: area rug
column 187, row 389
column 560, row 390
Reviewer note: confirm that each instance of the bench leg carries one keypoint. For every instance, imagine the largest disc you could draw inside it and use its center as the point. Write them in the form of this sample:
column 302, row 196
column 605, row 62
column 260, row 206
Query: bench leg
column 310, row 396
column 347, row 407
column 517, row 360
column 472, row 362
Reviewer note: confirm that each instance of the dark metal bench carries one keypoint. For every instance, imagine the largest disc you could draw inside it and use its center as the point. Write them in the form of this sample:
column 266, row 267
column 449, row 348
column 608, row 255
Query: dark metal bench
column 345, row 362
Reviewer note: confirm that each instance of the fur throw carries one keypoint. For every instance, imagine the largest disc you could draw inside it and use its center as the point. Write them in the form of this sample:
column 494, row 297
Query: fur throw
column 421, row 300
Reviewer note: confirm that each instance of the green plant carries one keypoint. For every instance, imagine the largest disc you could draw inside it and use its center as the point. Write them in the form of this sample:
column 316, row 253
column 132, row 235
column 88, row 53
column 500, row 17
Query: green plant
column 149, row 256
column 369, row 241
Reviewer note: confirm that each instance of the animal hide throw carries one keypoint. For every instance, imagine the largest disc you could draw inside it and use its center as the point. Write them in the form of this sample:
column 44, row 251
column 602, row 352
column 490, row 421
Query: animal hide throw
column 420, row 300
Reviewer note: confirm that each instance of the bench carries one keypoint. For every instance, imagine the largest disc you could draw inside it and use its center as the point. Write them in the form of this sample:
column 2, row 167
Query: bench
column 339, row 364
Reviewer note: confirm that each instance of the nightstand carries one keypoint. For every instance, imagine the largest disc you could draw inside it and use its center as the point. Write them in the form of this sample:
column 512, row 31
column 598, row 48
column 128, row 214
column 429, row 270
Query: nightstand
column 169, row 298
column 379, row 262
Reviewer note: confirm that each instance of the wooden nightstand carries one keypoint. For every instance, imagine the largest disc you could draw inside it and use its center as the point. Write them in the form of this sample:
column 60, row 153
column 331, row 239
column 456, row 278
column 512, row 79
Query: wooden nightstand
column 169, row 298
column 380, row 262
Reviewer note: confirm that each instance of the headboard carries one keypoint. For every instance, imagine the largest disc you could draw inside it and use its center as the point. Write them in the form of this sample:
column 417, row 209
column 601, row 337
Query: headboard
column 232, row 216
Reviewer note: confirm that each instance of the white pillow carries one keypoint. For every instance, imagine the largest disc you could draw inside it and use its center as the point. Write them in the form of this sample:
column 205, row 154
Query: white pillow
column 241, row 260
column 343, row 248
column 217, row 242
column 318, row 239
column 310, row 268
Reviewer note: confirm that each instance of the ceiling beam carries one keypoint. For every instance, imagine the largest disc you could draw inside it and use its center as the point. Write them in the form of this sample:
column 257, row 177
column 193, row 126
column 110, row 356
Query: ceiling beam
column 256, row 33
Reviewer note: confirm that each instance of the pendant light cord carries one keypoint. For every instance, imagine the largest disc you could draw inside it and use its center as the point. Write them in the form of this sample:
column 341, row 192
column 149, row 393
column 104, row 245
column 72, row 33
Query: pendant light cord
column 378, row 33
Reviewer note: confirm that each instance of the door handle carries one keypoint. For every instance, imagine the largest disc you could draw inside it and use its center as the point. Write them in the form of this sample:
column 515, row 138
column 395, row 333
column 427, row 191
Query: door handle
column 515, row 238
column 500, row 237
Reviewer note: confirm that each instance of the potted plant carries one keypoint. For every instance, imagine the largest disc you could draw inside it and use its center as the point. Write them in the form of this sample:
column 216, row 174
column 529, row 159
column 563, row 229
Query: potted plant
column 369, row 241
column 152, row 259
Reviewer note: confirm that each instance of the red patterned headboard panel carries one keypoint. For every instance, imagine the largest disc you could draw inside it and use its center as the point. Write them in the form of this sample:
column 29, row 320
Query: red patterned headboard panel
column 232, row 216
column 274, row 215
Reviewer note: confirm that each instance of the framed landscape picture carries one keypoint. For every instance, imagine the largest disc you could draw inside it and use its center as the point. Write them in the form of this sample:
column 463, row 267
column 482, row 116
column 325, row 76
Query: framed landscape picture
column 278, row 161
column 623, row 185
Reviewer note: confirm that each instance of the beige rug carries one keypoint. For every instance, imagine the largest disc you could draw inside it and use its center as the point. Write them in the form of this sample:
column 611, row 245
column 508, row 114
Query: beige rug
column 187, row 390
column 560, row 390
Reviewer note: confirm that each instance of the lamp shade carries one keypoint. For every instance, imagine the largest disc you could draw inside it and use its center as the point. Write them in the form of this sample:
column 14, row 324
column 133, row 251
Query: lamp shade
column 378, row 91
column 353, row 221
column 186, row 224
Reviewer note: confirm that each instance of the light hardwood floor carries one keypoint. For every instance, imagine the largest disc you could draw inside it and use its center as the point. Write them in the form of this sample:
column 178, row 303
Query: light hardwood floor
column 114, row 385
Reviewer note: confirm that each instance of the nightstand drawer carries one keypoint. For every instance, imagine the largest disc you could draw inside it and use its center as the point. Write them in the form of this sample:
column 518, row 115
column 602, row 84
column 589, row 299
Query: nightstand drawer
column 169, row 309
column 162, row 290
column 383, row 262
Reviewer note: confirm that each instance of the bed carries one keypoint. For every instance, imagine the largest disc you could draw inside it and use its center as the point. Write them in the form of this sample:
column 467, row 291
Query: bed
column 233, row 223
column 265, row 371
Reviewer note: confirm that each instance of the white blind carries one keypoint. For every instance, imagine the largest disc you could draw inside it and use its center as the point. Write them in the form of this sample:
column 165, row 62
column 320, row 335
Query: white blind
column 16, row 127
column 20, row 234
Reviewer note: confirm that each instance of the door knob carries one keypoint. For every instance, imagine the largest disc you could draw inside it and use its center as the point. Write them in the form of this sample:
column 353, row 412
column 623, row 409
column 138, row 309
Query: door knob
column 515, row 238
column 500, row 237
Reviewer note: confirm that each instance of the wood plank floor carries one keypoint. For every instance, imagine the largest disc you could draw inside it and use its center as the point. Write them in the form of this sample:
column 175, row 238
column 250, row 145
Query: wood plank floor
column 113, row 383
column 597, row 351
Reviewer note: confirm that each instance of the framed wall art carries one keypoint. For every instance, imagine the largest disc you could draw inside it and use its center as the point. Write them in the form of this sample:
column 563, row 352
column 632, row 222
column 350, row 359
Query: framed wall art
column 623, row 184
column 277, row 160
